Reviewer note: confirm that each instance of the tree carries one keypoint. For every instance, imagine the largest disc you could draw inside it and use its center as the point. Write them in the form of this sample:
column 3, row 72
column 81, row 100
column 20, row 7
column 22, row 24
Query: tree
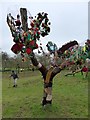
column 48, row 75
column 5, row 58
column 26, row 41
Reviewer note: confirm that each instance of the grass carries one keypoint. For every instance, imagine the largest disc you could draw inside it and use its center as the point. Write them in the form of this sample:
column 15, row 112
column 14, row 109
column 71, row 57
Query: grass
column 70, row 96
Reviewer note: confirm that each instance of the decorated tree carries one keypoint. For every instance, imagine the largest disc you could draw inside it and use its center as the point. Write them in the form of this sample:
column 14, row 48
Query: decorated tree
column 87, row 45
column 25, row 39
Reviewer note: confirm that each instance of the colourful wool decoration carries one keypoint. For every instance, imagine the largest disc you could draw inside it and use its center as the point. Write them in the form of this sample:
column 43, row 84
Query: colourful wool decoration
column 26, row 41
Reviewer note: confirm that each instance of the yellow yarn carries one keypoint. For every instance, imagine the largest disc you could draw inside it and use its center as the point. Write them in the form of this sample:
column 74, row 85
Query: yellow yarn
column 48, row 75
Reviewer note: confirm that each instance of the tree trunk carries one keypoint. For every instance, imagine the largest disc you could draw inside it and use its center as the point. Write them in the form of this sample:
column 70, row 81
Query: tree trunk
column 23, row 12
column 48, row 76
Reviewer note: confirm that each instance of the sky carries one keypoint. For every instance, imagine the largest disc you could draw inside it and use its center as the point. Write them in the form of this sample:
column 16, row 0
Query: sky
column 69, row 20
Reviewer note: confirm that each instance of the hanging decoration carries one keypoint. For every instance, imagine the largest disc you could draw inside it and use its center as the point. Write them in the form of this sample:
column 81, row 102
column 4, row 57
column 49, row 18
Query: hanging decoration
column 52, row 47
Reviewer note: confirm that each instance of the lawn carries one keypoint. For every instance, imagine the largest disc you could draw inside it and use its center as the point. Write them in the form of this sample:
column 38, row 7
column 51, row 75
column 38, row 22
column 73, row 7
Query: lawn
column 70, row 96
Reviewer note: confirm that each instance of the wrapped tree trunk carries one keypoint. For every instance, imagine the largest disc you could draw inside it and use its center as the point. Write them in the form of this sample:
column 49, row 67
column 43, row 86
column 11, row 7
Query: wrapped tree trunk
column 48, row 75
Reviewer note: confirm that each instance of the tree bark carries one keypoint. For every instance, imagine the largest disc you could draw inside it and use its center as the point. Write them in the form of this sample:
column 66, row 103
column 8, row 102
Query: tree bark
column 23, row 12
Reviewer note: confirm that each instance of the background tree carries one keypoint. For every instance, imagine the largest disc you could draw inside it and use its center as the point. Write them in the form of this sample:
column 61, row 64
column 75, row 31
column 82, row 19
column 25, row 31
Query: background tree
column 5, row 58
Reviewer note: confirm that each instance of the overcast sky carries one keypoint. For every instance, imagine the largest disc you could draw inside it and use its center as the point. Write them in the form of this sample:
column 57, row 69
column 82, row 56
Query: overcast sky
column 69, row 20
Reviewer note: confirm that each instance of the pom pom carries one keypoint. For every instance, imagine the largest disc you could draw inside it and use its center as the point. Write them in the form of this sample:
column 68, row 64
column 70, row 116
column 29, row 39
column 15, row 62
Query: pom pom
column 36, row 46
column 16, row 48
column 32, row 24
column 18, row 23
column 28, row 51
column 32, row 43
column 43, row 34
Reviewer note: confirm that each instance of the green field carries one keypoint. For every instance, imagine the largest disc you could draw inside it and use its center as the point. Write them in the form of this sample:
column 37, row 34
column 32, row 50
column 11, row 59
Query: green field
column 70, row 96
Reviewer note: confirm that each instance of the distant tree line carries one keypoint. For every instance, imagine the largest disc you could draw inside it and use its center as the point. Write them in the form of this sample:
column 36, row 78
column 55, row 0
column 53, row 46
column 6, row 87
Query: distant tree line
column 17, row 63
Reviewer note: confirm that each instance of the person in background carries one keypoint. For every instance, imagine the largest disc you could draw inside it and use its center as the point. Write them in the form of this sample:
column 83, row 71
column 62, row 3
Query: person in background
column 15, row 77
column 84, row 71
